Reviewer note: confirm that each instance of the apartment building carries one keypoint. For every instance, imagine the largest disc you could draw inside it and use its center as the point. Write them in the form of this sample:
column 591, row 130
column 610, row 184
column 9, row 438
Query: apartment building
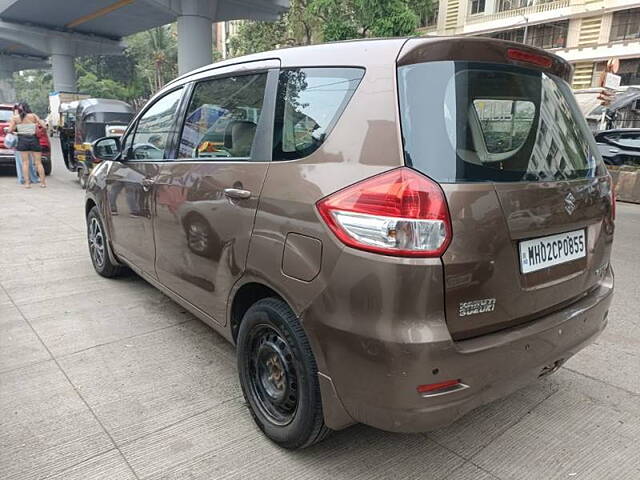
column 585, row 32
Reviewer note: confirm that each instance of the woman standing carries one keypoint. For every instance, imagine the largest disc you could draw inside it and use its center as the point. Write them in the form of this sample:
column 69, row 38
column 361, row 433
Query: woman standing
column 25, row 124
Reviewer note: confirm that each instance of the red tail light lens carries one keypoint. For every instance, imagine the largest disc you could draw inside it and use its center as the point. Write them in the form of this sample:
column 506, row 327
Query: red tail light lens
column 399, row 213
column 528, row 57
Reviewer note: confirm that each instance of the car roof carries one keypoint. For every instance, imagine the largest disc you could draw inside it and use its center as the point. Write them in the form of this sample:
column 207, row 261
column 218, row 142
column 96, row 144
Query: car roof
column 352, row 53
column 379, row 51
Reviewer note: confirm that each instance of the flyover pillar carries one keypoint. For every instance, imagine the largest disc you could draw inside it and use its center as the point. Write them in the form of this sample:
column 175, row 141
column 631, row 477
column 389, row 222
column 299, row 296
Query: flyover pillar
column 64, row 73
column 195, row 43
column 7, row 92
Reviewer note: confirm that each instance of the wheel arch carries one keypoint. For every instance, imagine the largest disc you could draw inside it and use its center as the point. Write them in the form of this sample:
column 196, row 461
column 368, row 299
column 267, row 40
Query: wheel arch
column 335, row 415
column 88, row 205
column 244, row 297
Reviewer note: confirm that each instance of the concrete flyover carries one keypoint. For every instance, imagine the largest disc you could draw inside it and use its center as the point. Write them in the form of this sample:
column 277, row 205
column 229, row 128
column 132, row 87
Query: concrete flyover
column 64, row 29
column 11, row 62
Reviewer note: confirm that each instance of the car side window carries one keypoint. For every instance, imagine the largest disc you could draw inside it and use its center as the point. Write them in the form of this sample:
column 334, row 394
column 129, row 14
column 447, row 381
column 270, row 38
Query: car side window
column 155, row 127
column 309, row 103
column 629, row 140
column 222, row 118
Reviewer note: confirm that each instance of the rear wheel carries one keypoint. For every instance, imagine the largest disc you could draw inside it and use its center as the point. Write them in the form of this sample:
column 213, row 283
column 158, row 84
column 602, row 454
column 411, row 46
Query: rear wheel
column 279, row 376
column 97, row 240
column 82, row 179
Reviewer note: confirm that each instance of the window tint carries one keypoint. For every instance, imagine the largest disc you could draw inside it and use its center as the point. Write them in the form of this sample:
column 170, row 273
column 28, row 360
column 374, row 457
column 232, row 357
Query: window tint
column 222, row 118
column 490, row 122
column 626, row 139
column 310, row 101
column 155, row 127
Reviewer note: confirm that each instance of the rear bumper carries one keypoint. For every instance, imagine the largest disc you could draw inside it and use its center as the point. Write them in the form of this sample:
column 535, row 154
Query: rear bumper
column 10, row 159
column 375, row 380
column 7, row 159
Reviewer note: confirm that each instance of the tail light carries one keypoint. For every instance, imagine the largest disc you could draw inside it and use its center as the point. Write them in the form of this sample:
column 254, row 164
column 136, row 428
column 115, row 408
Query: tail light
column 400, row 213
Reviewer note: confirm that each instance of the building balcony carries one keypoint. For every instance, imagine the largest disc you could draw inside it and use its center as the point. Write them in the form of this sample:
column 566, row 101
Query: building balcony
column 600, row 52
column 519, row 12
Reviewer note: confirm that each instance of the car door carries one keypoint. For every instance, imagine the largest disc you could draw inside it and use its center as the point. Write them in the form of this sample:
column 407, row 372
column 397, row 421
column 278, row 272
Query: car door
column 206, row 199
column 129, row 184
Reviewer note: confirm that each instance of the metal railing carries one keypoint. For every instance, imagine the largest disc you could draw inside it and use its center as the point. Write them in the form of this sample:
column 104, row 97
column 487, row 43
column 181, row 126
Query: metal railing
column 518, row 12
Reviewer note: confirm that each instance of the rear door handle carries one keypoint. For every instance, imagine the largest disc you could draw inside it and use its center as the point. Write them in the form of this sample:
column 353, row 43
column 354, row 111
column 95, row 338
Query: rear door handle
column 237, row 193
column 147, row 183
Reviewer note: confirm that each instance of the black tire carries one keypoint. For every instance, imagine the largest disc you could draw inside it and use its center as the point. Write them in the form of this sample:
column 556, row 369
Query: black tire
column 82, row 179
column 98, row 245
column 46, row 164
column 286, row 405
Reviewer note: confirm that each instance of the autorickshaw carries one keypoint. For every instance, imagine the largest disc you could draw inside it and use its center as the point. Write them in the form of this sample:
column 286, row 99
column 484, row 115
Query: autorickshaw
column 96, row 118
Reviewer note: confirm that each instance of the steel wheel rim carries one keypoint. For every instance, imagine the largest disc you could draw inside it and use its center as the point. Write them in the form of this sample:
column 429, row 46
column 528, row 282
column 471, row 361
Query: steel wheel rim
column 273, row 379
column 96, row 243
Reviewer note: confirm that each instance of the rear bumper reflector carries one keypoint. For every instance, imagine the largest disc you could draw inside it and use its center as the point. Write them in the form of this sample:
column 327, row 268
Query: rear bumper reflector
column 441, row 388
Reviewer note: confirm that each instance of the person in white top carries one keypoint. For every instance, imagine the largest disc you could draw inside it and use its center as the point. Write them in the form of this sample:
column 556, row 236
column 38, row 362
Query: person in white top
column 25, row 124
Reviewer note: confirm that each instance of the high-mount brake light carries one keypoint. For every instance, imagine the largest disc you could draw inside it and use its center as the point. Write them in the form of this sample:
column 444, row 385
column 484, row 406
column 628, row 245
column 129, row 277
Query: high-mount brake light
column 400, row 213
column 528, row 57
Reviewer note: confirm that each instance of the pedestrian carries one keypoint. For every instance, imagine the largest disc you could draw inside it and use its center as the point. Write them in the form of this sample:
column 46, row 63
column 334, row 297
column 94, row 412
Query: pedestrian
column 25, row 124
column 33, row 175
column 32, row 171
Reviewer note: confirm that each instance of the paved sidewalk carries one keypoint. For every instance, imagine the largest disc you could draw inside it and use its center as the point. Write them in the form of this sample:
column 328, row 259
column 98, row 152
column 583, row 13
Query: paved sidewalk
column 109, row 379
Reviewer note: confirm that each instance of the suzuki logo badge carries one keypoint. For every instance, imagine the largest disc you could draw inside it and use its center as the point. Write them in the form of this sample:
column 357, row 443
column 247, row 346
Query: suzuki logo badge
column 570, row 203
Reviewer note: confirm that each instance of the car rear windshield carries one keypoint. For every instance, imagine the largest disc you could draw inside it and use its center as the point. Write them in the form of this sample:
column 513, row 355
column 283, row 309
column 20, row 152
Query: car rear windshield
column 469, row 122
column 5, row 115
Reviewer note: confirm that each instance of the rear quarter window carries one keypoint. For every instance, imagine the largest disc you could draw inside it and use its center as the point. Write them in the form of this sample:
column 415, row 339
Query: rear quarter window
column 309, row 103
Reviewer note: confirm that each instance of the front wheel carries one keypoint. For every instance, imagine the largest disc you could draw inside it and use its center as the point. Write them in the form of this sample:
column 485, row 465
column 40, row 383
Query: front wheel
column 279, row 376
column 97, row 240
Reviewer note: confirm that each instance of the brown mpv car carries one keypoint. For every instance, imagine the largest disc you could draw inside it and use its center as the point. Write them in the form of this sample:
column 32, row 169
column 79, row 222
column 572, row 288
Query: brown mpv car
column 392, row 232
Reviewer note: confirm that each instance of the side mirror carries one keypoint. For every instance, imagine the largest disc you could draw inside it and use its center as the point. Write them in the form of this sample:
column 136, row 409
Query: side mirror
column 105, row 149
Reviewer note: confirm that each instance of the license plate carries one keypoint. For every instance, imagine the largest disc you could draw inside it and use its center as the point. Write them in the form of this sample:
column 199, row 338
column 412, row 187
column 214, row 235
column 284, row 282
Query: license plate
column 553, row 250
column 6, row 151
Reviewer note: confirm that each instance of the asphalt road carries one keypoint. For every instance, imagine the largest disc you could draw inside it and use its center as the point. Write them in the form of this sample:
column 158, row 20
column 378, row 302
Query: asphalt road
column 109, row 379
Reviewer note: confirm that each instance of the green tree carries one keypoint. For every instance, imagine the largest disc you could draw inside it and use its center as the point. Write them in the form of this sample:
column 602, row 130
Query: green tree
column 313, row 21
column 156, row 56
column 257, row 37
column 33, row 87
column 344, row 20
column 103, row 87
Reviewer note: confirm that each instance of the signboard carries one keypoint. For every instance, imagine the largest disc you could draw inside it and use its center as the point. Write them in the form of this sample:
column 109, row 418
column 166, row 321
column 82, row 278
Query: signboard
column 611, row 80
